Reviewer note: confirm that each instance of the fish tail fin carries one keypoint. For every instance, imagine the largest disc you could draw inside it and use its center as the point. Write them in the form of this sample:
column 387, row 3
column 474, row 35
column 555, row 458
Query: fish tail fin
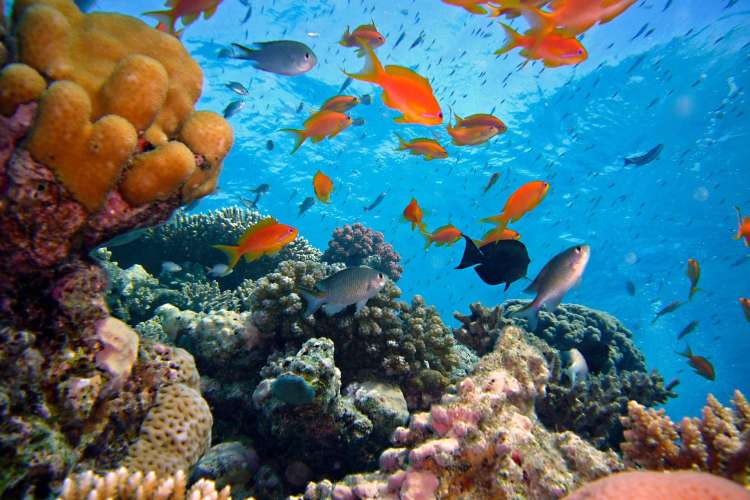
column 531, row 313
column 693, row 291
column 501, row 220
column 230, row 251
column 300, row 138
column 245, row 52
column 428, row 240
column 313, row 298
column 514, row 40
column 475, row 9
column 537, row 18
column 402, row 144
column 628, row 161
column 688, row 353
column 472, row 254
column 373, row 70
column 165, row 17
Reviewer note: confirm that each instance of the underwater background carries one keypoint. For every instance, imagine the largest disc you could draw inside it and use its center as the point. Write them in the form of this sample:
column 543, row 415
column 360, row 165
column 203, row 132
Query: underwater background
column 683, row 85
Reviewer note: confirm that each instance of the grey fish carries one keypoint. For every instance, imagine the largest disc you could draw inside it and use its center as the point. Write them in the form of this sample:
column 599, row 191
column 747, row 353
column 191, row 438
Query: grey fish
column 554, row 280
column 688, row 329
column 305, row 205
column 669, row 308
column 261, row 189
column 237, row 88
column 283, row 57
column 578, row 369
column 645, row 158
column 354, row 285
column 376, row 202
column 233, row 108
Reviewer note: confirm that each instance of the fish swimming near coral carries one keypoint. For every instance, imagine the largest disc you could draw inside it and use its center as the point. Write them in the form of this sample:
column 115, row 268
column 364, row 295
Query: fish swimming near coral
column 701, row 365
column 498, row 234
column 305, row 205
column 354, row 285
column 674, row 383
column 237, row 88
column 323, row 186
column 170, row 267
column 319, row 126
column 743, row 227
column 267, row 237
column 523, row 200
column 558, row 276
column 233, row 108
column 444, row 235
column 645, row 158
column 694, row 275
column 186, row 10
column 669, row 308
column 376, row 202
column 413, row 213
column 503, row 261
column 577, row 369
column 283, row 57
column 218, row 271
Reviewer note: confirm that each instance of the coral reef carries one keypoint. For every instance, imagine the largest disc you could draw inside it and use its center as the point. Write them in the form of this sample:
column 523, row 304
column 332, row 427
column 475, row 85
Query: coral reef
column 228, row 464
column 660, row 486
column 483, row 441
column 718, row 443
column 617, row 370
column 188, row 239
column 356, row 245
column 122, row 484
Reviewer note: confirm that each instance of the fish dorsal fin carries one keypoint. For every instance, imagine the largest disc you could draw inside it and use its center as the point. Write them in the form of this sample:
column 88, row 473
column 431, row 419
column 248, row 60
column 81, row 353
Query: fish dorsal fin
column 268, row 222
column 402, row 72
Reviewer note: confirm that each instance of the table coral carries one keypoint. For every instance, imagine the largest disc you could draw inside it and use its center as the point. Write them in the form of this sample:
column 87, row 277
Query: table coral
column 718, row 442
column 483, row 441
column 356, row 245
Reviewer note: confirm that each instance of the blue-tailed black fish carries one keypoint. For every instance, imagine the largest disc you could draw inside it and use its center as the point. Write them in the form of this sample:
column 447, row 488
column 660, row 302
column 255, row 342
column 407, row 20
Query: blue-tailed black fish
column 645, row 158
column 376, row 202
column 283, row 57
column 503, row 261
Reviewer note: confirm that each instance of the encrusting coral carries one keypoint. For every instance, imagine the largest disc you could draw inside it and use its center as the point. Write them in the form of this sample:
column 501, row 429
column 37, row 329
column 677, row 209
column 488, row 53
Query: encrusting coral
column 483, row 441
column 718, row 443
column 617, row 370
column 358, row 245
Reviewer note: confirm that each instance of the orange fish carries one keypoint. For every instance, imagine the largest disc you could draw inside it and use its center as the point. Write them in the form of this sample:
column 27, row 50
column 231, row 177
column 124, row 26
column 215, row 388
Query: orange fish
column 266, row 237
column 472, row 6
column 475, row 129
column 523, row 200
column 745, row 303
column 429, row 148
column 702, row 366
column 553, row 48
column 323, row 186
column 574, row 16
column 364, row 34
column 186, row 10
column 498, row 234
column 413, row 213
column 743, row 227
column 694, row 274
column 444, row 235
column 512, row 8
column 340, row 103
column 319, row 126
column 403, row 89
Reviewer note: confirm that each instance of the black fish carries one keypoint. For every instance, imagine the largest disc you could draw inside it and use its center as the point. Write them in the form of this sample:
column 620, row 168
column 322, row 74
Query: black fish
column 261, row 189
column 401, row 37
column 305, row 205
column 491, row 182
column 630, row 287
column 376, row 202
column 346, row 83
column 247, row 14
column 646, row 158
column 674, row 383
column 688, row 329
column 269, row 145
column 503, row 261
column 666, row 6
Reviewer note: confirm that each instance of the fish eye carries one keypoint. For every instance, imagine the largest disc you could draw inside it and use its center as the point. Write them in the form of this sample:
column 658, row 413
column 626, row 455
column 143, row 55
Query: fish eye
column 580, row 52
column 578, row 248
column 440, row 114
column 380, row 275
column 307, row 55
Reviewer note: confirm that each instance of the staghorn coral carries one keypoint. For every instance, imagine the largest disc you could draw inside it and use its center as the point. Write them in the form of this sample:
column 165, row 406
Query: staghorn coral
column 617, row 369
column 175, row 433
column 660, row 486
column 356, row 245
column 188, row 238
column 483, row 441
column 123, row 484
column 718, row 443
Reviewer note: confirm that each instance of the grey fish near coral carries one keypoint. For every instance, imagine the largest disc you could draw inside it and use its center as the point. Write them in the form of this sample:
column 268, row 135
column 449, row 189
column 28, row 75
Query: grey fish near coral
column 283, row 57
column 354, row 285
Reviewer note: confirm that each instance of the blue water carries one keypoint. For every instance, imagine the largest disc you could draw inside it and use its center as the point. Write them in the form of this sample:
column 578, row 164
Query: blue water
column 684, row 85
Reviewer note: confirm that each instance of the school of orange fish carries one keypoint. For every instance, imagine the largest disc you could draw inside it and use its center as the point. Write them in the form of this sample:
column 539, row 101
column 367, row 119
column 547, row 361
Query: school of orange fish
column 551, row 38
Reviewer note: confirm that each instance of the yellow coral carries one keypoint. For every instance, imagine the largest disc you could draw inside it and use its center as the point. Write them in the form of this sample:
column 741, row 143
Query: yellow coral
column 156, row 175
column 88, row 158
column 128, row 79
column 19, row 83
column 175, row 433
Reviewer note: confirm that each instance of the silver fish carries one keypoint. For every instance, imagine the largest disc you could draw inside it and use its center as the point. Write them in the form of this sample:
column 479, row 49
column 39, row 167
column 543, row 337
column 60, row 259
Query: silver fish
column 553, row 282
column 577, row 368
column 170, row 267
column 237, row 88
column 355, row 285
column 219, row 271
column 283, row 57
column 233, row 108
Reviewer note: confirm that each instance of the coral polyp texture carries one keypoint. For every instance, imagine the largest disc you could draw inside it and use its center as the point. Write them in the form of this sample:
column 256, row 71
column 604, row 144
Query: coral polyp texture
column 718, row 442
column 356, row 245
column 482, row 441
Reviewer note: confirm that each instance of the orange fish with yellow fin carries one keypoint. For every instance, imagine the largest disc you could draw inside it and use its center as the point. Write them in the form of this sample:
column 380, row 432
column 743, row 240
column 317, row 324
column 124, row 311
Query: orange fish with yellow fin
column 364, row 34
column 186, row 10
column 428, row 148
column 444, row 235
column 323, row 186
column 523, row 200
column 413, row 213
column 267, row 237
column 475, row 129
column 319, row 126
column 553, row 49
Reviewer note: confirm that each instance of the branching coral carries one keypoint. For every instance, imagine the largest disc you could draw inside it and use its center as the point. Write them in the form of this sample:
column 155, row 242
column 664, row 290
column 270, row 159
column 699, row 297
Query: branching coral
column 356, row 245
column 188, row 238
column 719, row 442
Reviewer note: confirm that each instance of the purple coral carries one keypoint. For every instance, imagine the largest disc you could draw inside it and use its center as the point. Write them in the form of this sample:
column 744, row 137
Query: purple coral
column 357, row 245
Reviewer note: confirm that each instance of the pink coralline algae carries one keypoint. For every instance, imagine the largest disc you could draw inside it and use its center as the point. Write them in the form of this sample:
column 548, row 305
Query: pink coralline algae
column 482, row 441
column 357, row 245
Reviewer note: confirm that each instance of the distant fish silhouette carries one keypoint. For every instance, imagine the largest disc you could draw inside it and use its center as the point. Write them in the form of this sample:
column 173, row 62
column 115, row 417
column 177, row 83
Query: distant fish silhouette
column 646, row 158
